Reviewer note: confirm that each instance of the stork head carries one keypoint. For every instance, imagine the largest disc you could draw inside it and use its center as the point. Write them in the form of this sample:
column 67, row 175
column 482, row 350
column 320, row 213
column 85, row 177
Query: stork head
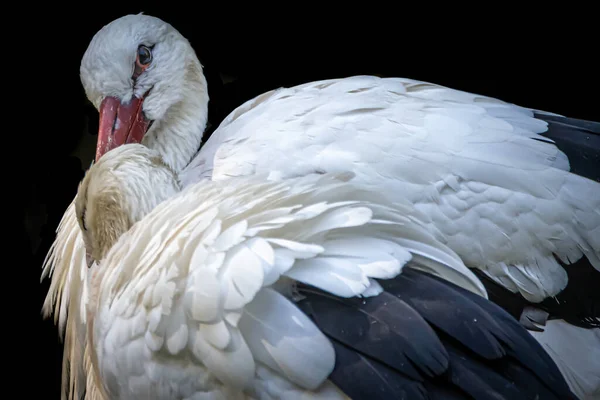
column 140, row 73
column 125, row 185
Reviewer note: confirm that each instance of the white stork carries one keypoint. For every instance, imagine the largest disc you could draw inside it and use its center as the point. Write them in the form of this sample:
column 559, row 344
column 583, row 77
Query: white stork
column 491, row 184
column 309, row 287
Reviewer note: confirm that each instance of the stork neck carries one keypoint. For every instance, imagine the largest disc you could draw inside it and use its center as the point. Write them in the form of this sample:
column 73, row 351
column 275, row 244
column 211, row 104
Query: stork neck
column 178, row 135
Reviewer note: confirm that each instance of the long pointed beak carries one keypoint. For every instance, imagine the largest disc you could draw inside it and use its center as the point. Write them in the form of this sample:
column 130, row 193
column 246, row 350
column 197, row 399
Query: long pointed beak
column 119, row 124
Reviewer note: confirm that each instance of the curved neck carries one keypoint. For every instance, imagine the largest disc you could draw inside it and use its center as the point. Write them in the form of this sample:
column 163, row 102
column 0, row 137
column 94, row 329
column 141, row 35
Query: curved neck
column 178, row 135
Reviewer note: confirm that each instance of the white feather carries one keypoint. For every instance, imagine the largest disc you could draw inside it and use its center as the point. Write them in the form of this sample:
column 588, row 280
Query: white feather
column 576, row 352
column 501, row 200
column 282, row 337
column 200, row 305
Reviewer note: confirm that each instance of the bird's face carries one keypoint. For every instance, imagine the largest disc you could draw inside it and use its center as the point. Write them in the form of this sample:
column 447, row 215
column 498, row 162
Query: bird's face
column 133, row 71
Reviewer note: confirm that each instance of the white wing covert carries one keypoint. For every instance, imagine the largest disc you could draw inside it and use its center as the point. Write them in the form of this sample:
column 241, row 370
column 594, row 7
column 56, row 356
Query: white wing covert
column 205, row 275
column 492, row 187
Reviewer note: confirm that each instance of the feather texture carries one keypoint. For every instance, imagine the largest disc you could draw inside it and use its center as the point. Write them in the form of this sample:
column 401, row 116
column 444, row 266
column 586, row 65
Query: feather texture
column 426, row 338
column 475, row 166
column 468, row 163
column 576, row 352
column 66, row 300
column 205, row 277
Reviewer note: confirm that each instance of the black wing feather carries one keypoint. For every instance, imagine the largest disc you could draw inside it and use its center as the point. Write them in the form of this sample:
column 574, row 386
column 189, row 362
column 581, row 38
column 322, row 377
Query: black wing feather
column 579, row 140
column 480, row 380
column 418, row 340
column 362, row 377
column 449, row 311
column 471, row 320
column 383, row 327
column 517, row 342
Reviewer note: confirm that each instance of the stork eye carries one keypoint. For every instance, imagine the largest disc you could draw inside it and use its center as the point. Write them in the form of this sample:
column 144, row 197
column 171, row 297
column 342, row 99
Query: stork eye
column 142, row 60
column 144, row 56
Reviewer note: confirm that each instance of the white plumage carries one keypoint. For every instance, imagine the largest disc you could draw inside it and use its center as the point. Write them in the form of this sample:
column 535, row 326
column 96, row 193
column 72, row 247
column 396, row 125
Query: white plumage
column 193, row 297
column 477, row 170
column 580, row 368
column 504, row 202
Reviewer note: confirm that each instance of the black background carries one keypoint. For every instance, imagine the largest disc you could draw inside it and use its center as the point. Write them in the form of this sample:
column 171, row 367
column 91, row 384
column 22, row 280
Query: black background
column 539, row 58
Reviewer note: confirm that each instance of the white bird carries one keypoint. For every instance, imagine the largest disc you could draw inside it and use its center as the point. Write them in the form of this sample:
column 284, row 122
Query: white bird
column 493, row 187
column 309, row 287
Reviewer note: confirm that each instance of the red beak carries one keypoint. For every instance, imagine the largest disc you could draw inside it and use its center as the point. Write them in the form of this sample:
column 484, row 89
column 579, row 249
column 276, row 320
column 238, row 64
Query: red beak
column 120, row 124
